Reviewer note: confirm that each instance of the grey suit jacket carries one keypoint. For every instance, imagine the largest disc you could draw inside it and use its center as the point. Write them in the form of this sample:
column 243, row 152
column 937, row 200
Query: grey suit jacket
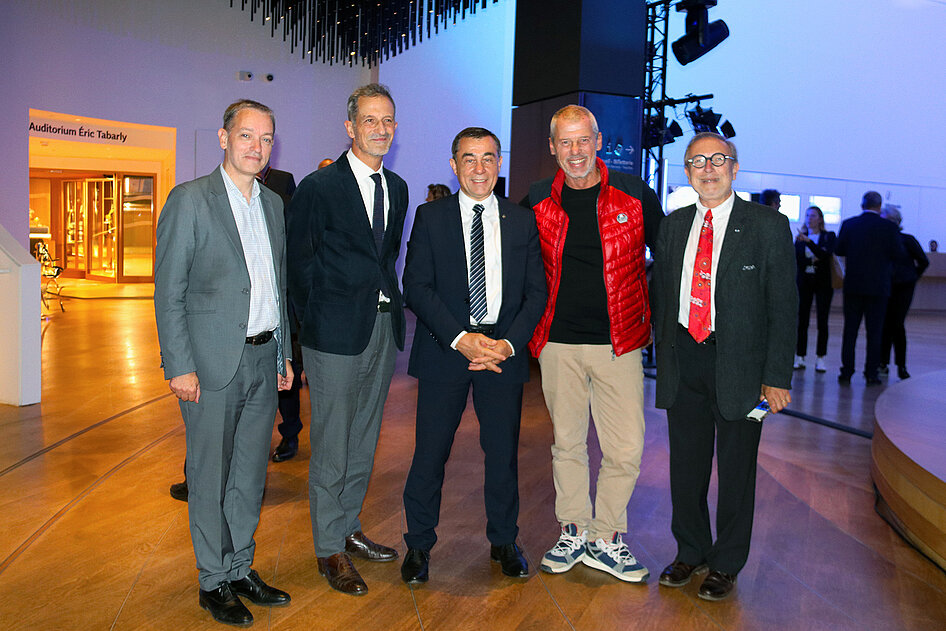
column 201, row 283
column 756, row 305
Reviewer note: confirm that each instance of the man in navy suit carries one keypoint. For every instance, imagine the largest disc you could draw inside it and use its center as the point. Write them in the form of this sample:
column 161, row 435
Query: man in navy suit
column 869, row 244
column 344, row 228
column 474, row 279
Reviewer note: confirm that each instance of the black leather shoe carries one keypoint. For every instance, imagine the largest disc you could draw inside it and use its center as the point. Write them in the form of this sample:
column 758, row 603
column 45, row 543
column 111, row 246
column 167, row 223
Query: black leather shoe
column 286, row 449
column 511, row 559
column 844, row 380
column 361, row 547
column 717, row 586
column 678, row 573
column 416, row 566
column 257, row 592
column 225, row 607
column 179, row 491
column 902, row 372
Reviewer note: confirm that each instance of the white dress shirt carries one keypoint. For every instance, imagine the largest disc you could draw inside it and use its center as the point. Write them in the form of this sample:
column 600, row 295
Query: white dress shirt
column 492, row 252
column 366, row 186
column 720, row 222
column 258, row 253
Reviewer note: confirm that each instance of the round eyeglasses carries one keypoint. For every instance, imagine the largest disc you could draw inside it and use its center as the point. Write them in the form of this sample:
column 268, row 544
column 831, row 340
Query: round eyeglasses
column 717, row 160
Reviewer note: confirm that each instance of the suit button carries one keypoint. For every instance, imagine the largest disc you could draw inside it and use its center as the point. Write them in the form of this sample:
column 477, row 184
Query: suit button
column 245, row 290
column 243, row 325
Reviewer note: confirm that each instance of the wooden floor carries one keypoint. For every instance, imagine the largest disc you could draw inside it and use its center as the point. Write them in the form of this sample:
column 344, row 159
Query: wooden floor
column 91, row 540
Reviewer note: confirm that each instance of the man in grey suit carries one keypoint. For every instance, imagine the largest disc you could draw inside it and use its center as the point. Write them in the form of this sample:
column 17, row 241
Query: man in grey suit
column 725, row 308
column 220, row 275
column 345, row 224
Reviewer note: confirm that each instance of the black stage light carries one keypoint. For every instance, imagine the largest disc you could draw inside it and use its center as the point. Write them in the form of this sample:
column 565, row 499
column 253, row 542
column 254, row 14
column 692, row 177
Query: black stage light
column 727, row 129
column 702, row 35
column 657, row 132
column 703, row 120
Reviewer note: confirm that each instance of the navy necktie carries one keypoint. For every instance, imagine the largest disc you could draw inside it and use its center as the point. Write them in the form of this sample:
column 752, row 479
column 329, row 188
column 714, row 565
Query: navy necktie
column 377, row 217
column 477, row 266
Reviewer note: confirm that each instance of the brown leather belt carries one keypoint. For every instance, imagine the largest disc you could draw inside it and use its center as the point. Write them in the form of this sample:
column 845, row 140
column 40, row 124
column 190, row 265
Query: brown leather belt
column 260, row 338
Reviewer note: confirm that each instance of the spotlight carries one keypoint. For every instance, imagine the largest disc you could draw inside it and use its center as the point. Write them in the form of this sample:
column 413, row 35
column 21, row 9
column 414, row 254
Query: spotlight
column 708, row 120
column 702, row 35
column 657, row 132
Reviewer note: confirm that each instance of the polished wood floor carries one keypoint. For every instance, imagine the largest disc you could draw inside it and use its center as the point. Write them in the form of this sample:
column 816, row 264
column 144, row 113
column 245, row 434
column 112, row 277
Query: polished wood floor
column 90, row 538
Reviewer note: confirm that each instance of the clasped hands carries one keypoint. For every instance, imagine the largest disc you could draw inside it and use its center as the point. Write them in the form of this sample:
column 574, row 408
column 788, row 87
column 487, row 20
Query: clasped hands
column 484, row 352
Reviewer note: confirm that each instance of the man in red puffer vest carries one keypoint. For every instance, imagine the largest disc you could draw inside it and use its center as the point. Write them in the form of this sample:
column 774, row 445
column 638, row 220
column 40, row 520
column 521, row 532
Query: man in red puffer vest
column 593, row 226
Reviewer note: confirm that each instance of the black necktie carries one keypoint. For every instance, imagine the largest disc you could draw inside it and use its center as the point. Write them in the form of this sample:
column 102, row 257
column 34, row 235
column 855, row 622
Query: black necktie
column 377, row 217
column 477, row 266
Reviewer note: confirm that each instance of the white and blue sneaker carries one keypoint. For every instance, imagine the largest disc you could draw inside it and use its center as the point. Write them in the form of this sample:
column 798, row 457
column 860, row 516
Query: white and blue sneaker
column 569, row 550
column 614, row 558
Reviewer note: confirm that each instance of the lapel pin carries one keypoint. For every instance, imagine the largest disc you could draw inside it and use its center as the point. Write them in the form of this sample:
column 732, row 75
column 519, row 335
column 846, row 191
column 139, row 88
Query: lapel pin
column 622, row 218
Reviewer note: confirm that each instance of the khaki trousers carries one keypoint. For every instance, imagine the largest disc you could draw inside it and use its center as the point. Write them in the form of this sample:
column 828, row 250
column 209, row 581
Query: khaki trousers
column 576, row 378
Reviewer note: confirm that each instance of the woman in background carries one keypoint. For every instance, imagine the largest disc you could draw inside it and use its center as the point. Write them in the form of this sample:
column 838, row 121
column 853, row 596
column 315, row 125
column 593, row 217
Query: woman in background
column 906, row 271
column 814, row 247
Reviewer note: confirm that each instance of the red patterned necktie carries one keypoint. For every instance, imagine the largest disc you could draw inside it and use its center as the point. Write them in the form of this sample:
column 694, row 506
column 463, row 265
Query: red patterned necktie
column 699, row 325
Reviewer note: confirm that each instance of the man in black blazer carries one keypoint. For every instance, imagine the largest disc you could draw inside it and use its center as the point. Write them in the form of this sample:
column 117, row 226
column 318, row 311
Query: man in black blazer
column 345, row 224
column 718, row 354
column 869, row 244
column 474, row 279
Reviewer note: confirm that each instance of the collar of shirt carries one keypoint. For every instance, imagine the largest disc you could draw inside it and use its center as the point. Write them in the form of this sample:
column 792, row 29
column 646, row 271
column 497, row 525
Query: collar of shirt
column 720, row 212
column 363, row 175
column 490, row 206
column 233, row 190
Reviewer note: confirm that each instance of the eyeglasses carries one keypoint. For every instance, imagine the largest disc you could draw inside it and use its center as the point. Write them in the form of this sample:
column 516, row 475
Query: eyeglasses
column 717, row 160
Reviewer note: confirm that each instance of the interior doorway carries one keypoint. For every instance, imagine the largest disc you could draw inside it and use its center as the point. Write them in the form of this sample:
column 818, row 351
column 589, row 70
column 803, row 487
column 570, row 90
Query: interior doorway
column 98, row 226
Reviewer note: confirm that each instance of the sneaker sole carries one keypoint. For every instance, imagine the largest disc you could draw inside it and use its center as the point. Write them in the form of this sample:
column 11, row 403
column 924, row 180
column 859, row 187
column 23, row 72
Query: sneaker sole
column 592, row 562
column 560, row 569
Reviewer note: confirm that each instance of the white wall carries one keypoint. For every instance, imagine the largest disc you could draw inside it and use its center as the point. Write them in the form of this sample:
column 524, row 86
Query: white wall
column 846, row 95
column 172, row 63
column 459, row 78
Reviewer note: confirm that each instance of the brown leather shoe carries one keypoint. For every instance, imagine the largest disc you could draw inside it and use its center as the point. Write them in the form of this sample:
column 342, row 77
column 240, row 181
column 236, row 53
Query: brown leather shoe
column 361, row 547
column 678, row 573
column 717, row 586
column 342, row 575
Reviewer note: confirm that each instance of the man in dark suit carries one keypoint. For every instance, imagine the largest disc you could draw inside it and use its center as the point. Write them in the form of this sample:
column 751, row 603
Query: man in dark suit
column 869, row 244
column 284, row 184
column 474, row 279
column 220, row 278
column 725, row 310
column 345, row 224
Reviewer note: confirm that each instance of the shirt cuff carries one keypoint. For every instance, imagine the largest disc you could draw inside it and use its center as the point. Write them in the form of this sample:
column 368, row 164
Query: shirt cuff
column 453, row 344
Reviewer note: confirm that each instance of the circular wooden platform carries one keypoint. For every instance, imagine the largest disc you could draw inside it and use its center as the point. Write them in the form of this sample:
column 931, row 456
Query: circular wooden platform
column 908, row 461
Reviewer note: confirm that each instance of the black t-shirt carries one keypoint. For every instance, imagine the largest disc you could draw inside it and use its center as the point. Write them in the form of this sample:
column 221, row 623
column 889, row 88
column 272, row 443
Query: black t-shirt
column 581, row 308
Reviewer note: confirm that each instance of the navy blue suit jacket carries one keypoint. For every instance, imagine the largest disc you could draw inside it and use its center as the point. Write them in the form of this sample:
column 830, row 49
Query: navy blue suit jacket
column 436, row 288
column 869, row 244
column 335, row 270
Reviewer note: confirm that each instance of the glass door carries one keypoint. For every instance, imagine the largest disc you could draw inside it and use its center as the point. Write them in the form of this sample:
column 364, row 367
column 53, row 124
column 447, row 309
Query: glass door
column 74, row 225
column 103, row 227
column 137, row 227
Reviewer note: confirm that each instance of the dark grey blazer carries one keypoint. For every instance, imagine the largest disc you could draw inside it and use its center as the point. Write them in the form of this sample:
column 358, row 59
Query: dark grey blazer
column 202, row 286
column 756, row 305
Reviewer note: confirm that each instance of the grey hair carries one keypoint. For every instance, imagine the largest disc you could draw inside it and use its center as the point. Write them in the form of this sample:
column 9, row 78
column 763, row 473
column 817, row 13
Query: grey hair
column 243, row 104
column 891, row 213
column 572, row 113
column 709, row 134
column 368, row 91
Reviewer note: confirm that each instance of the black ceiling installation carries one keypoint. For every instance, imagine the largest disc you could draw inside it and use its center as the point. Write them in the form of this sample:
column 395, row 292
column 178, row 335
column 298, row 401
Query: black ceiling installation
column 356, row 32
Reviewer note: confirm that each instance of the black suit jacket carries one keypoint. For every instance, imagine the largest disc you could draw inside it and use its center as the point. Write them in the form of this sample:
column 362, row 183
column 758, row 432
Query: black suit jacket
column 822, row 249
column 756, row 305
column 436, row 288
column 280, row 182
column 335, row 270
column 869, row 244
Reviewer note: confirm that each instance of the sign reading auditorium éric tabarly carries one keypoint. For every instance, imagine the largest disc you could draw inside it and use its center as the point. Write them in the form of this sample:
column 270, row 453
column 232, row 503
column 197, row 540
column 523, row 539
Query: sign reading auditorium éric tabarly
column 61, row 127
